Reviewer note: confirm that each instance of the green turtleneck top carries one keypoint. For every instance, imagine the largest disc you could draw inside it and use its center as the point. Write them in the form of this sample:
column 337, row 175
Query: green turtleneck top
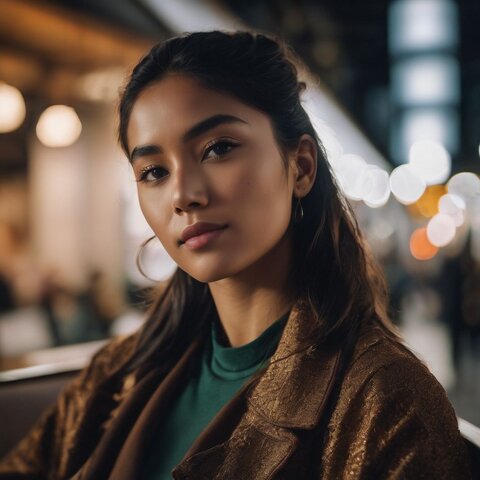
column 220, row 374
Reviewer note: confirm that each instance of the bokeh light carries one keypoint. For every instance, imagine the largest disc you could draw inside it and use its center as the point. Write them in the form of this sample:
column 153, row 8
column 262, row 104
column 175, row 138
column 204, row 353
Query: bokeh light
column 430, row 161
column 454, row 206
column 58, row 126
column 349, row 173
column 458, row 218
column 420, row 246
column 427, row 205
column 406, row 185
column 441, row 230
column 12, row 108
column 466, row 185
column 377, row 186
column 450, row 204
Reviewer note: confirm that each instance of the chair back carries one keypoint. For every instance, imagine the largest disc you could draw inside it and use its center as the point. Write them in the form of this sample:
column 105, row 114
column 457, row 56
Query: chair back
column 23, row 400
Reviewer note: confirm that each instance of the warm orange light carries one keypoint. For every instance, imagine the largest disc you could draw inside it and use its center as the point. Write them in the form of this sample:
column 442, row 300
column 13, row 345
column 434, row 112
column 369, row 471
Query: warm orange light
column 427, row 204
column 420, row 246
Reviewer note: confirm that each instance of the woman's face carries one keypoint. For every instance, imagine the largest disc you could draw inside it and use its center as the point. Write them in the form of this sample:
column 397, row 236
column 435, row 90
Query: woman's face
column 199, row 155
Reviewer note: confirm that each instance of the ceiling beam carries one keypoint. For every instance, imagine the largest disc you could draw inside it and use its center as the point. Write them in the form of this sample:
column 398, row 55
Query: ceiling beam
column 67, row 38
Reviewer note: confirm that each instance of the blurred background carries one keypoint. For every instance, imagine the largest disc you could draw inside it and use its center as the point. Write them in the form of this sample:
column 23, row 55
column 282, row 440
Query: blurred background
column 394, row 95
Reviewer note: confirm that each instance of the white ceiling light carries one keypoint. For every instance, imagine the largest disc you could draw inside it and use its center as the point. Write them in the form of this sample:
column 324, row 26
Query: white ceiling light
column 12, row 108
column 58, row 126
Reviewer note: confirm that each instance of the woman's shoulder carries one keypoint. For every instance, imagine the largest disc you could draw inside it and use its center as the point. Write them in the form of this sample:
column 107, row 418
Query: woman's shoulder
column 378, row 355
column 389, row 366
column 392, row 418
column 386, row 379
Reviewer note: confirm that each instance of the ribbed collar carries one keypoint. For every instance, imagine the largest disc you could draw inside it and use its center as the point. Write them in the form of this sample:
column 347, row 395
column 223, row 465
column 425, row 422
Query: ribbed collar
column 233, row 363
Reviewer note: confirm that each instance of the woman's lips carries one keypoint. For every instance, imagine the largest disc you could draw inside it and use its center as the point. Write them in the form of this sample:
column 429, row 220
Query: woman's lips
column 200, row 233
column 201, row 240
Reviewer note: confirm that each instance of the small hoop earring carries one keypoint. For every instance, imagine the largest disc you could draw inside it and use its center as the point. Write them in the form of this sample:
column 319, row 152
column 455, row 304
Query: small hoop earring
column 298, row 217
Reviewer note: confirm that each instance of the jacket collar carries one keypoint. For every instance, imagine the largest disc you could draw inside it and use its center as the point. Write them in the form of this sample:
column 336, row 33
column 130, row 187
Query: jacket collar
column 294, row 390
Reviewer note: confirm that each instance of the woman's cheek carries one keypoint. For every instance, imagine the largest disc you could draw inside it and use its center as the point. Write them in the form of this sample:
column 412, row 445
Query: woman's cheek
column 155, row 213
column 236, row 173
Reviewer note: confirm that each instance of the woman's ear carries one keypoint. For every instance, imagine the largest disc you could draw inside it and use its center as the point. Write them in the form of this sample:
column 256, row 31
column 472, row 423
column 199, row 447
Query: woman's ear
column 305, row 165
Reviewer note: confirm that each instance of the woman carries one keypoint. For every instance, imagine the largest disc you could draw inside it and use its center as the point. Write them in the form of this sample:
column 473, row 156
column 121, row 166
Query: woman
column 268, row 354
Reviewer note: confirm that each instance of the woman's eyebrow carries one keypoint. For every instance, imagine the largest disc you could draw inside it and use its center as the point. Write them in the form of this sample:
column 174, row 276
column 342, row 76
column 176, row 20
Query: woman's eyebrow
column 143, row 151
column 195, row 131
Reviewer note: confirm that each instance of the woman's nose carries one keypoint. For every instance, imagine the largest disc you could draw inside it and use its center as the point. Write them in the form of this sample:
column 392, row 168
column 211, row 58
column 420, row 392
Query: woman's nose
column 190, row 191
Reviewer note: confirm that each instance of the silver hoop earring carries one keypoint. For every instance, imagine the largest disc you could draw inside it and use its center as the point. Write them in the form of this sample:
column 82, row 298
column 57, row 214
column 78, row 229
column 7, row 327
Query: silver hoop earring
column 298, row 217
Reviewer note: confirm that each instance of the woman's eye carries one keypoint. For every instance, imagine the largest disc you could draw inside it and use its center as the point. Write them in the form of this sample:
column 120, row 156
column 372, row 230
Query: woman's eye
column 151, row 174
column 219, row 149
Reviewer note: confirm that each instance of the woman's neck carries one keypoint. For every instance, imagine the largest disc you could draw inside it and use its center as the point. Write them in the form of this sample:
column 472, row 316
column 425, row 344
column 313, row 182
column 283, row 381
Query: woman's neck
column 248, row 303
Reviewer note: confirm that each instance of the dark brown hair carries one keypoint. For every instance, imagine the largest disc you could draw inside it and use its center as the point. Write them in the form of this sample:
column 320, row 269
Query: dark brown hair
column 333, row 274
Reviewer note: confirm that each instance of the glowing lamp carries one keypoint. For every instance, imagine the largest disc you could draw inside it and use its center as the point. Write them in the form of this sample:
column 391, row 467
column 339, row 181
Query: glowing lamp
column 58, row 126
column 12, row 108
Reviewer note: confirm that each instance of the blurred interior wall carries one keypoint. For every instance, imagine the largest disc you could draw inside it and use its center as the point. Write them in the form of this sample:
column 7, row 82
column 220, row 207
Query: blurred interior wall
column 76, row 218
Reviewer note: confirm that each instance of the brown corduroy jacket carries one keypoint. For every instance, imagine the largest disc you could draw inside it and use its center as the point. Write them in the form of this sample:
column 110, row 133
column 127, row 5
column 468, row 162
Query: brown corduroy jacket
column 390, row 419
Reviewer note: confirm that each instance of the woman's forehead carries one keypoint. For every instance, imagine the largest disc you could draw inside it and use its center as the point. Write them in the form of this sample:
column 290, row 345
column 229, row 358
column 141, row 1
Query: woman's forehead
column 178, row 91
column 177, row 103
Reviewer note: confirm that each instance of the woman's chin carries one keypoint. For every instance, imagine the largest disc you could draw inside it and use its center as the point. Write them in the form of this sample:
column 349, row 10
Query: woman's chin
column 210, row 274
column 209, row 277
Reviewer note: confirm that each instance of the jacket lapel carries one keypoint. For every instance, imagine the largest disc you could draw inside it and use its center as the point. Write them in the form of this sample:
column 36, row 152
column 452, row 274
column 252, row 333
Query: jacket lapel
column 130, row 460
column 252, row 451
column 121, row 444
column 294, row 390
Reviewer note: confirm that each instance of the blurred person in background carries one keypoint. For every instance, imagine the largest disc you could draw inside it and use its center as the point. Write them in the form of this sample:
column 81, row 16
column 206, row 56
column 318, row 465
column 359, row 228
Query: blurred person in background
column 268, row 353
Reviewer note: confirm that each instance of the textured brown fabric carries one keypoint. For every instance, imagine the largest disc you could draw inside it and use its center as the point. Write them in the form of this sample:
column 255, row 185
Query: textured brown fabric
column 391, row 419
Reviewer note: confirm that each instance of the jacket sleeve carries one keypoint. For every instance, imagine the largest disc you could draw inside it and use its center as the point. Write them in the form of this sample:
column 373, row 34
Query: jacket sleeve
column 43, row 452
column 397, row 424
